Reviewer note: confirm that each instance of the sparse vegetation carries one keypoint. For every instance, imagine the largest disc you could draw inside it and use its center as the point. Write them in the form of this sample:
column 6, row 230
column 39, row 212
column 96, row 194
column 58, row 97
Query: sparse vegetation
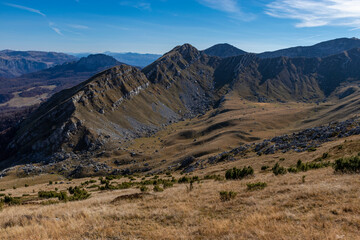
column 256, row 186
column 78, row 194
column 239, row 173
column 303, row 167
column 157, row 189
column 144, row 189
column 278, row 170
column 264, row 168
column 347, row 165
column 227, row 195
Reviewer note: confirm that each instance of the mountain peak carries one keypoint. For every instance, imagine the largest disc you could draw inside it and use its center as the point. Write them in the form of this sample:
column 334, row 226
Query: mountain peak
column 187, row 51
column 224, row 50
column 97, row 59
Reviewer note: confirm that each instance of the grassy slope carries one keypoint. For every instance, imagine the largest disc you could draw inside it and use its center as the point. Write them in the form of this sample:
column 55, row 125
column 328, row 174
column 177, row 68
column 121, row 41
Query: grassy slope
column 325, row 206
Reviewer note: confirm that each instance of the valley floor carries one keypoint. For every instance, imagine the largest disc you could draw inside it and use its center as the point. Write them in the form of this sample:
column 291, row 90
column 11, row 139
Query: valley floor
column 317, row 204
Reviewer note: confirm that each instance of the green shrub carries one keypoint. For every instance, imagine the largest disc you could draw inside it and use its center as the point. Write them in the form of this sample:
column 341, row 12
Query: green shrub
column 278, row 170
column 50, row 182
column 303, row 167
column 78, row 193
column 26, row 185
column 293, row 170
column 347, row 165
column 12, row 200
column 144, row 189
column 125, row 185
column 227, row 196
column 264, row 168
column 239, row 173
column 184, row 180
column 256, row 186
column 158, row 189
column 167, row 184
column 48, row 194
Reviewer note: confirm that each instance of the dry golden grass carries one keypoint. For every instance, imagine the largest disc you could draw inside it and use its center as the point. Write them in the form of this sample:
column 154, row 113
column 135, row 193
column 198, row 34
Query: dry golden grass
column 324, row 207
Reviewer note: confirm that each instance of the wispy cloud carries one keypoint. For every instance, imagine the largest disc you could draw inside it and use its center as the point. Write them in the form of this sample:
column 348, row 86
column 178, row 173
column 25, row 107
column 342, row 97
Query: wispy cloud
column 33, row 10
column 316, row 13
column 78, row 26
column 25, row 8
column 53, row 27
column 142, row 5
column 230, row 6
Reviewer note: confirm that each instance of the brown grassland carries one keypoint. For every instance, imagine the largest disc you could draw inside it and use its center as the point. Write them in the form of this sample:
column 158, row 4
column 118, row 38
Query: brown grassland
column 321, row 205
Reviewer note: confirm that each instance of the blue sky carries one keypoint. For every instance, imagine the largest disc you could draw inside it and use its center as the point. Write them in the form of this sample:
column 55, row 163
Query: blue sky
column 156, row 26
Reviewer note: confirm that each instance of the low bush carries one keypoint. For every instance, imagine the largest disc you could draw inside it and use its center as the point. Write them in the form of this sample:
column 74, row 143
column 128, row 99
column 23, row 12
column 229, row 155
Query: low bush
column 347, row 165
column 264, row 168
column 227, row 196
column 188, row 179
column 256, row 186
column 239, row 173
column 12, row 200
column 167, row 184
column 215, row 177
column 78, row 193
column 48, row 194
column 144, row 189
column 303, row 167
column 158, row 189
column 278, row 170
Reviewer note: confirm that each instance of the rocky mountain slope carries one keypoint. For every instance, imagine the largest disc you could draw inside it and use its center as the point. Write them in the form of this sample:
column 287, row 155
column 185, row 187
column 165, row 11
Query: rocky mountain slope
column 16, row 63
column 223, row 50
column 114, row 107
column 322, row 49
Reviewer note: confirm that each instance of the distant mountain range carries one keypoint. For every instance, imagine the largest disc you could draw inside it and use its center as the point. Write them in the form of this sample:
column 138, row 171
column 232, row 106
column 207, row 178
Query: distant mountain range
column 16, row 63
column 322, row 49
column 56, row 78
column 133, row 59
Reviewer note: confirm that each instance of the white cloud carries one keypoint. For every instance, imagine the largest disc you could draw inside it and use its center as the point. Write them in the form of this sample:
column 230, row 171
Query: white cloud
column 25, row 8
column 51, row 24
column 53, row 27
column 230, row 6
column 78, row 26
column 315, row 13
column 137, row 4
